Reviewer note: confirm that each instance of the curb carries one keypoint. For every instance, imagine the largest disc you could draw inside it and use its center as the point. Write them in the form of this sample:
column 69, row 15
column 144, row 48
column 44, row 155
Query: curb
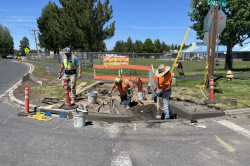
column 17, row 102
column 237, row 111
column 185, row 114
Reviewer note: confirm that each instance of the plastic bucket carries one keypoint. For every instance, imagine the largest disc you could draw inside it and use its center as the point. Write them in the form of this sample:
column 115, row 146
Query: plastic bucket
column 141, row 94
column 146, row 88
column 92, row 97
column 79, row 120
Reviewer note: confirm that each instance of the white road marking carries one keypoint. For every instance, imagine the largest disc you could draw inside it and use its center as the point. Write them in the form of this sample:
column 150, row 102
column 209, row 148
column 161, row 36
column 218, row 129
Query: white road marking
column 122, row 159
column 235, row 128
column 7, row 119
column 30, row 71
column 134, row 126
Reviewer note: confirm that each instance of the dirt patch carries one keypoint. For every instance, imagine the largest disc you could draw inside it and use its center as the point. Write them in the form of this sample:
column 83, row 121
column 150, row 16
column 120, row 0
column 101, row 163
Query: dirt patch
column 35, row 97
column 147, row 112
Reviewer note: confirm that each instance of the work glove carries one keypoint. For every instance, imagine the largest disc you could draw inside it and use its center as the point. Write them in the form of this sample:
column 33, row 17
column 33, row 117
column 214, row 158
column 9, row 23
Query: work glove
column 110, row 92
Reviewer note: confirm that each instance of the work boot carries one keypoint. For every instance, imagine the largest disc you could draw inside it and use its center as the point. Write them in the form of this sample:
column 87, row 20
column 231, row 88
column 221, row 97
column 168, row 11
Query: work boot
column 127, row 107
column 174, row 116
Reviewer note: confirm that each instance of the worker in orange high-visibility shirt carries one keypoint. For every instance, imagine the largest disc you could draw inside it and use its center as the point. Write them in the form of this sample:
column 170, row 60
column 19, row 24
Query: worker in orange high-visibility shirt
column 165, row 86
column 155, row 87
column 124, row 86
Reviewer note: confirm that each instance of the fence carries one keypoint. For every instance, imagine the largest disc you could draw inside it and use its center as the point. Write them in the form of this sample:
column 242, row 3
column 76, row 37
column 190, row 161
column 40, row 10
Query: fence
column 88, row 59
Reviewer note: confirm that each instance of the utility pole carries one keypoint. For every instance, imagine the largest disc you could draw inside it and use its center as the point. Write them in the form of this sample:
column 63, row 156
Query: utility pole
column 34, row 30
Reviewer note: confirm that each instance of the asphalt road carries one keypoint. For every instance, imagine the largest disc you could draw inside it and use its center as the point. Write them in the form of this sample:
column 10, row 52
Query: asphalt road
column 10, row 73
column 224, row 141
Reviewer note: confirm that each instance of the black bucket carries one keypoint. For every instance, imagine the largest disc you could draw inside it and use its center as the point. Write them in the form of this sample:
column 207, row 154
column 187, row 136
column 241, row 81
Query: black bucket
column 234, row 102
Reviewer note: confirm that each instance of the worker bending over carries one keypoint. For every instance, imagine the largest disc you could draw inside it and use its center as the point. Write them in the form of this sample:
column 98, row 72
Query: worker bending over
column 124, row 86
column 165, row 86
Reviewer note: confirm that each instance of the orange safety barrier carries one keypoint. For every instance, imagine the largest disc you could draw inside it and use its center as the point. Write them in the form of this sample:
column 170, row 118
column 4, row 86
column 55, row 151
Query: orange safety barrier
column 113, row 78
column 136, row 67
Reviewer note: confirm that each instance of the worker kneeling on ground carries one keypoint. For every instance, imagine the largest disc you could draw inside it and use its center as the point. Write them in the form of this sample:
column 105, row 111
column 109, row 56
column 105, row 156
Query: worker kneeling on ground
column 124, row 86
column 70, row 63
column 165, row 86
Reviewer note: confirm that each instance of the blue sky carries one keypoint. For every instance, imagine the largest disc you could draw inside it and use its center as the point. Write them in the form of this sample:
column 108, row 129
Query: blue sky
column 140, row 19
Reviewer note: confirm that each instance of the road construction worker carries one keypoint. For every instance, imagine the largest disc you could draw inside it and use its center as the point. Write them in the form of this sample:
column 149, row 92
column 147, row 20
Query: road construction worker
column 19, row 58
column 124, row 86
column 165, row 86
column 154, row 87
column 70, row 63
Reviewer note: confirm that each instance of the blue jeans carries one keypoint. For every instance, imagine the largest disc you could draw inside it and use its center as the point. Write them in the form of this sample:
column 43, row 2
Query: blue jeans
column 125, row 99
column 153, row 92
column 165, row 99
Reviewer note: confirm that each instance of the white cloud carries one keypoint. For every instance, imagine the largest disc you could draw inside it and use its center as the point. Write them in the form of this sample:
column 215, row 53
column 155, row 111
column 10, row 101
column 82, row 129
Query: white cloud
column 164, row 27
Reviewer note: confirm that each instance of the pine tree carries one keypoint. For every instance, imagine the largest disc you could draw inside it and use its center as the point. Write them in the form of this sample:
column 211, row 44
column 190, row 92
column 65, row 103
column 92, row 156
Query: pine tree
column 148, row 46
column 158, row 46
column 138, row 46
column 129, row 45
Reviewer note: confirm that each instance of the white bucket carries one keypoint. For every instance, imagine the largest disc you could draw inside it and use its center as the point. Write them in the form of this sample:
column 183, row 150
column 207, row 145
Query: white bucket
column 92, row 97
column 141, row 95
column 173, row 81
column 79, row 120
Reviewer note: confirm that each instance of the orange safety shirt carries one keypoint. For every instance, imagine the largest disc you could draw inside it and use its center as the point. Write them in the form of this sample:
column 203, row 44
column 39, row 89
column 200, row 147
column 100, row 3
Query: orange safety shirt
column 167, row 80
column 160, row 80
column 123, row 86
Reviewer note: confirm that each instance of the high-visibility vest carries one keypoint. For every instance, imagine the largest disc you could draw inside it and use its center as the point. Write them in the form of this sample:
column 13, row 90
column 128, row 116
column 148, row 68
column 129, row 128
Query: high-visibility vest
column 68, row 65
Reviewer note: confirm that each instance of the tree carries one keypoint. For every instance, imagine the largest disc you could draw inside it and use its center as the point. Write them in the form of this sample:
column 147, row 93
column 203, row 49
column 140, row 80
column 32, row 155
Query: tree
column 172, row 47
column 148, row 46
column 158, row 46
column 165, row 47
column 237, row 26
column 129, row 47
column 87, row 19
column 179, row 47
column 6, row 42
column 24, row 43
column 119, row 46
column 50, row 34
column 138, row 46
column 175, row 47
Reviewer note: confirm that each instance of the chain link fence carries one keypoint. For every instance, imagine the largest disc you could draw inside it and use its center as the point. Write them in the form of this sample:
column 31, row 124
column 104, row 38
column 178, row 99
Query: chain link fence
column 88, row 59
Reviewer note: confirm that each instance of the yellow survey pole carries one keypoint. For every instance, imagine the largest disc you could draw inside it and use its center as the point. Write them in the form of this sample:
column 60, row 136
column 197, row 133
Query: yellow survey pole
column 180, row 50
column 153, row 68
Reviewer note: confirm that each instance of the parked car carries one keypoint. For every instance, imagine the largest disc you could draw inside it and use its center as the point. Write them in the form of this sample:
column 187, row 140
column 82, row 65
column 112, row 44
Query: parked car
column 10, row 56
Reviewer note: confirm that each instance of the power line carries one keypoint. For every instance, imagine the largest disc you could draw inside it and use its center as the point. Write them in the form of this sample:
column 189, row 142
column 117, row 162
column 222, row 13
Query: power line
column 14, row 20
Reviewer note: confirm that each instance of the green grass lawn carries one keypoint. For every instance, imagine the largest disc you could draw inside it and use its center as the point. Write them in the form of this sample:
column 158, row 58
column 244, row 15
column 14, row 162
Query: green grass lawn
column 239, row 89
column 190, row 68
column 52, row 87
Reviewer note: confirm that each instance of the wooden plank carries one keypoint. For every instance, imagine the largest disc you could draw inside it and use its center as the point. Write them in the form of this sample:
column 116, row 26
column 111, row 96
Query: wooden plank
column 58, row 105
column 80, row 91
column 79, row 87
